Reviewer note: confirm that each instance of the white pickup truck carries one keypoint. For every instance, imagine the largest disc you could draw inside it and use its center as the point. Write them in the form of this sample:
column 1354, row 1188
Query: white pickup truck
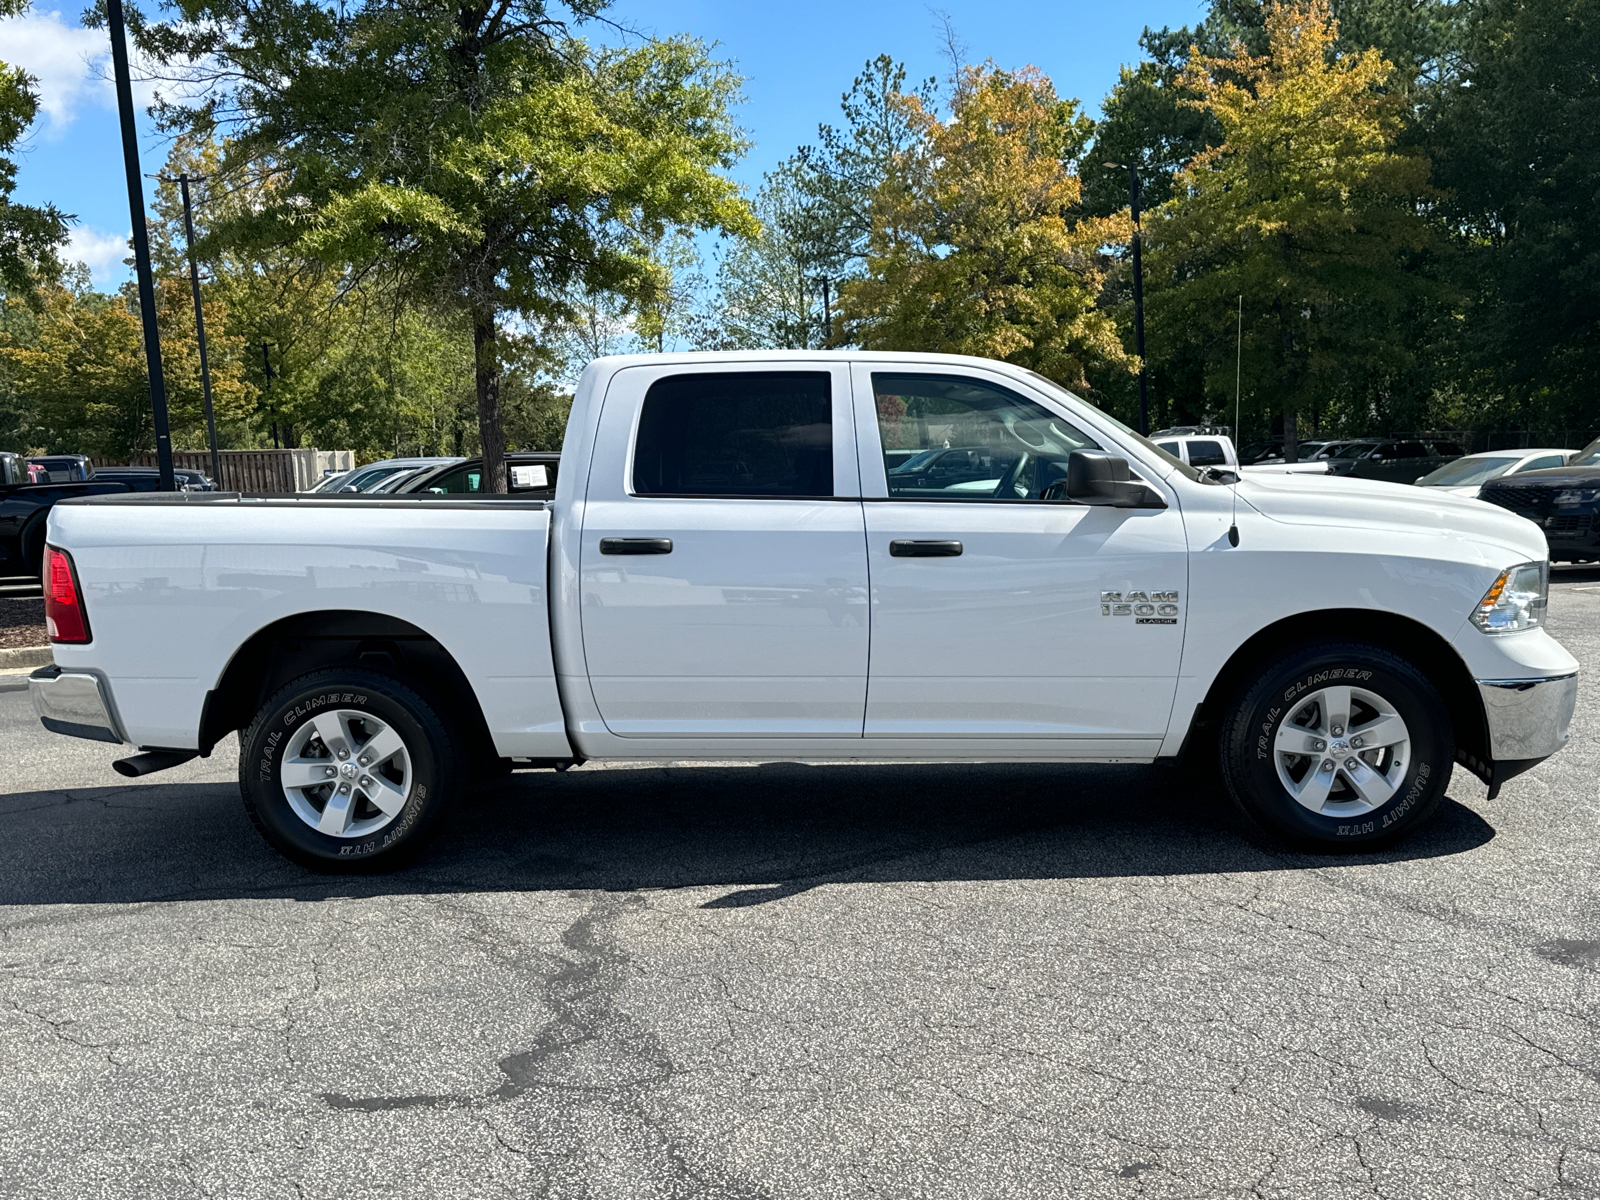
column 814, row 556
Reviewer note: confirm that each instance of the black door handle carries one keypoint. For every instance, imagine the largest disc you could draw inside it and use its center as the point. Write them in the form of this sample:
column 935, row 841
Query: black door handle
column 916, row 549
column 630, row 545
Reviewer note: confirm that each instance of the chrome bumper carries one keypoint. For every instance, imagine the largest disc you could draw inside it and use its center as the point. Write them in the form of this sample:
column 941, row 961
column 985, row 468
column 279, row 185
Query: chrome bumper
column 73, row 703
column 1528, row 718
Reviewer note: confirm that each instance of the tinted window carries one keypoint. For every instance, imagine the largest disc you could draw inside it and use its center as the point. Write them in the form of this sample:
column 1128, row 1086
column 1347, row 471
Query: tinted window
column 1410, row 450
column 1171, row 448
column 1448, row 449
column 1207, row 454
column 988, row 442
column 1545, row 463
column 766, row 433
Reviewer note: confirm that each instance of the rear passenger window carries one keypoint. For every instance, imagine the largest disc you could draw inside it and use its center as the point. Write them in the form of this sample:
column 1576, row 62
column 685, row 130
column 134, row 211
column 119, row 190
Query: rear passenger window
column 1207, row 454
column 757, row 433
column 1412, row 450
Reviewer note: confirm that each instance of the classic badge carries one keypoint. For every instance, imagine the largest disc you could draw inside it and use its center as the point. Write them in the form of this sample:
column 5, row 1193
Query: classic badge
column 1146, row 608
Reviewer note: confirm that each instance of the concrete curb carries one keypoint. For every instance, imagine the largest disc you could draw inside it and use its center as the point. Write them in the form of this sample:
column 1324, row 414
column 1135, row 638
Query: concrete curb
column 25, row 656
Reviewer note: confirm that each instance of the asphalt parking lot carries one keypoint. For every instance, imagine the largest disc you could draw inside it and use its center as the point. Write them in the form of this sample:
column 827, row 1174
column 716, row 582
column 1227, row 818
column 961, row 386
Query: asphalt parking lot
column 786, row 981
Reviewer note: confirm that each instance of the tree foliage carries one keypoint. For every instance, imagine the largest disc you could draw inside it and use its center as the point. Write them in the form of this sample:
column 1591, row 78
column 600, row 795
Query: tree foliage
column 477, row 156
column 977, row 245
column 31, row 236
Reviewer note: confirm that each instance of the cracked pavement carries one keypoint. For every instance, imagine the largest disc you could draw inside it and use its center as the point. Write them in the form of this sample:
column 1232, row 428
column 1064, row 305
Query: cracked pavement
column 784, row 981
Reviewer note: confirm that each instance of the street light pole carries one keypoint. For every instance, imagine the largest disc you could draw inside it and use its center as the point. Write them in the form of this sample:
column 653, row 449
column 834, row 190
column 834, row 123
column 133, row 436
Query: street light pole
column 200, row 328
column 141, row 246
column 1138, row 290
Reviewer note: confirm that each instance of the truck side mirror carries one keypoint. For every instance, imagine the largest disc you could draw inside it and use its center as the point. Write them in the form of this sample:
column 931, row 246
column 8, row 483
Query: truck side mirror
column 1095, row 477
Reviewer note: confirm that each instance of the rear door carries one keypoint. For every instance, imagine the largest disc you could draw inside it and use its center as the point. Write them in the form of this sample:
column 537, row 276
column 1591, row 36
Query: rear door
column 723, row 561
column 997, row 614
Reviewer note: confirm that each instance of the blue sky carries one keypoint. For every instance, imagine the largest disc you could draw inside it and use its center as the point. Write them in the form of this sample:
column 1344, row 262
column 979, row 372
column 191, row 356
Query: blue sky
column 797, row 60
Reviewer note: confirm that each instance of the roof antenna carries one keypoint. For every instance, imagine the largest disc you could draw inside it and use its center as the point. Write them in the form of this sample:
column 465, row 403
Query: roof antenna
column 1238, row 467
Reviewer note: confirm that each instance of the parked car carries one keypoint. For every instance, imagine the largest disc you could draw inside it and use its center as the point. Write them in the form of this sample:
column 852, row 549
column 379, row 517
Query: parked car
column 1564, row 502
column 25, row 508
column 723, row 546
column 63, row 468
column 1466, row 476
column 148, row 479
column 530, row 473
column 364, row 479
column 1396, row 460
column 1217, row 451
column 13, row 468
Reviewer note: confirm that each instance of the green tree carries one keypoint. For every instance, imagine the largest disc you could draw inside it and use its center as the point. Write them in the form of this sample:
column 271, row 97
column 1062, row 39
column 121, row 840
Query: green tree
column 977, row 243
column 1517, row 143
column 1308, row 208
column 477, row 155
column 31, row 236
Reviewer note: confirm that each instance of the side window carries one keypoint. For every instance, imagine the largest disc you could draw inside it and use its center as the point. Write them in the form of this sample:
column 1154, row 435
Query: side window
column 1448, row 450
column 1207, row 454
column 757, row 433
column 1411, row 450
column 970, row 440
column 1173, row 448
column 465, row 479
column 1544, row 463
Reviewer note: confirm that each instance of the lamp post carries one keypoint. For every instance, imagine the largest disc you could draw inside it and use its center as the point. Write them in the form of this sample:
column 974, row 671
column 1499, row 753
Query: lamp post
column 1138, row 290
column 183, row 182
column 141, row 246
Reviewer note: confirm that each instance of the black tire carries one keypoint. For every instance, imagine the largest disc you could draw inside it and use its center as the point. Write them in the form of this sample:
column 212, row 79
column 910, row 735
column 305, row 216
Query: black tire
column 428, row 745
column 1251, row 762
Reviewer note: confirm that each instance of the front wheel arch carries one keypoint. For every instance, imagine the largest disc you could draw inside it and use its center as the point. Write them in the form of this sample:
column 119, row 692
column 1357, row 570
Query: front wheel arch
column 1410, row 639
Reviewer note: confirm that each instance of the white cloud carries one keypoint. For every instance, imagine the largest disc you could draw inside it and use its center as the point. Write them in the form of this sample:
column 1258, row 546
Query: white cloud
column 72, row 65
column 101, row 252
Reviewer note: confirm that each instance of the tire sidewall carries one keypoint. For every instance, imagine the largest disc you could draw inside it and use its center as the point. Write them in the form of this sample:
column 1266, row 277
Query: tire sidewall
column 1250, row 760
column 390, row 701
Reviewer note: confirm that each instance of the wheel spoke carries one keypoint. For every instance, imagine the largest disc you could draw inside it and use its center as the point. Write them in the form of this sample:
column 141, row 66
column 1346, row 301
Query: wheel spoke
column 1313, row 792
column 381, row 746
column 1336, row 710
column 332, row 731
column 304, row 772
column 384, row 794
column 1383, row 731
column 1372, row 787
column 336, row 816
column 1297, row 739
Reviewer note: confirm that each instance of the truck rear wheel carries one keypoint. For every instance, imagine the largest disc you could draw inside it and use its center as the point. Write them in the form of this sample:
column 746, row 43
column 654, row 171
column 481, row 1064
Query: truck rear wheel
column 347, row 769
column 1338, row 748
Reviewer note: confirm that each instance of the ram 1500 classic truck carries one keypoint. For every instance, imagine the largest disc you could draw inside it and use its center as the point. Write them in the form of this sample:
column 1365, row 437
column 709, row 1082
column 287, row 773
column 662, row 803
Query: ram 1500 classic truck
column 728, row 570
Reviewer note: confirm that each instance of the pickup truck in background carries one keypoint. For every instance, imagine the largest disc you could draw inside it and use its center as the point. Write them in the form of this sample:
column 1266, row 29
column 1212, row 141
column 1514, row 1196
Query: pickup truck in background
column 24, row 509
column 1216, row 450
column 728, row 570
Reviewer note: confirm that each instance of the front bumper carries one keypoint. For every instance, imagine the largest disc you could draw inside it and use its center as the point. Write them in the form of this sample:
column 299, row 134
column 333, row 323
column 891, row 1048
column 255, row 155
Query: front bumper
column 73, row 703
column 1528, row 718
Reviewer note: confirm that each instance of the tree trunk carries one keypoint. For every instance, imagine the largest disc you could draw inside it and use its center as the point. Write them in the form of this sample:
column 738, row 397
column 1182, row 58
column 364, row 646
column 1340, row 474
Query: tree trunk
column 486, row 345
column 1291, row 443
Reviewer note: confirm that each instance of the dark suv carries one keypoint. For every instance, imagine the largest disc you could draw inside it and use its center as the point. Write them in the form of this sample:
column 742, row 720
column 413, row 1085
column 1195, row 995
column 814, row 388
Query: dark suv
column 1397, row 460
column 1563, row 501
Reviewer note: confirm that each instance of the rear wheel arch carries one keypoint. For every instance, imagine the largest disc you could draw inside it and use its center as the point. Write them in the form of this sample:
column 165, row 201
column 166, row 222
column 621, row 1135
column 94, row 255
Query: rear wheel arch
column 1403, row 636
column 297, row 645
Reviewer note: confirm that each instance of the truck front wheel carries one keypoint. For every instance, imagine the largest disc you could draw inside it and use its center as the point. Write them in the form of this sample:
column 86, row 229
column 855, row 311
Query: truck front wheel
column 1340, row 747
column 347, row 769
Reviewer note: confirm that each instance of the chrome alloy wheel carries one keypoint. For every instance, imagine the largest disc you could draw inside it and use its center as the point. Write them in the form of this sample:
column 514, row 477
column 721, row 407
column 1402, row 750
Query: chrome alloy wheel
column 1341, row 751
column 345, row 773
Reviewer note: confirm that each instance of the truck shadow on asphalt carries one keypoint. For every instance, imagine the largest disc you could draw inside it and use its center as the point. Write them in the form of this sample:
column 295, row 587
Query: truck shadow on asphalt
column 759, row 833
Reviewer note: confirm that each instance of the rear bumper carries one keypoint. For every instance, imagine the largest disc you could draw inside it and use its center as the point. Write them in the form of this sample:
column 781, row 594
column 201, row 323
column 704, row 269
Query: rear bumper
column 1528, row 719
column 73, row 703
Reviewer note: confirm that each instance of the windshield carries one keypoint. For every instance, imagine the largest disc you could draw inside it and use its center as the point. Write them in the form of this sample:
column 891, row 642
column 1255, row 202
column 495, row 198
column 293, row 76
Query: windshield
column 1354, row 450
column 1469, row 470
column 919, row 460
column 1176, row 463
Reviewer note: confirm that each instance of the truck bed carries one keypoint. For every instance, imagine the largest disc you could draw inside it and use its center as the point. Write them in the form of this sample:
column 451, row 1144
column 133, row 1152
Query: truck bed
column 200, row 575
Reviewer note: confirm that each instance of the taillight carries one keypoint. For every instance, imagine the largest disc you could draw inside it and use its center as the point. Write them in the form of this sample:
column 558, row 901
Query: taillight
column 64, row 617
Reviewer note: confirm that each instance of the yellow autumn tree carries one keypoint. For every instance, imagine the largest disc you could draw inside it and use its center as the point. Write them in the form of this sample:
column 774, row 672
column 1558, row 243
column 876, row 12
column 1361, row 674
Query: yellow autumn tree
column 977, row 243
column 1309, row 209
column 82, row 382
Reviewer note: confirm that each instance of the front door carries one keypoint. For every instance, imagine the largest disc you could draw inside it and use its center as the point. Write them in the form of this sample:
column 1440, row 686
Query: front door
column 995, row 613
column 723, row 561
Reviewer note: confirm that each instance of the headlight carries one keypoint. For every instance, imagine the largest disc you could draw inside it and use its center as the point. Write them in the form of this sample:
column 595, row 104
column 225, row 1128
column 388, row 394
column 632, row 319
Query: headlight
column 1571, row 496
column 1516, row 600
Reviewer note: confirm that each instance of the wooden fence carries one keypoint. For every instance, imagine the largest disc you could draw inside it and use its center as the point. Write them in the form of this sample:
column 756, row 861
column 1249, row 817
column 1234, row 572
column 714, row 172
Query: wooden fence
column 254, row 471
